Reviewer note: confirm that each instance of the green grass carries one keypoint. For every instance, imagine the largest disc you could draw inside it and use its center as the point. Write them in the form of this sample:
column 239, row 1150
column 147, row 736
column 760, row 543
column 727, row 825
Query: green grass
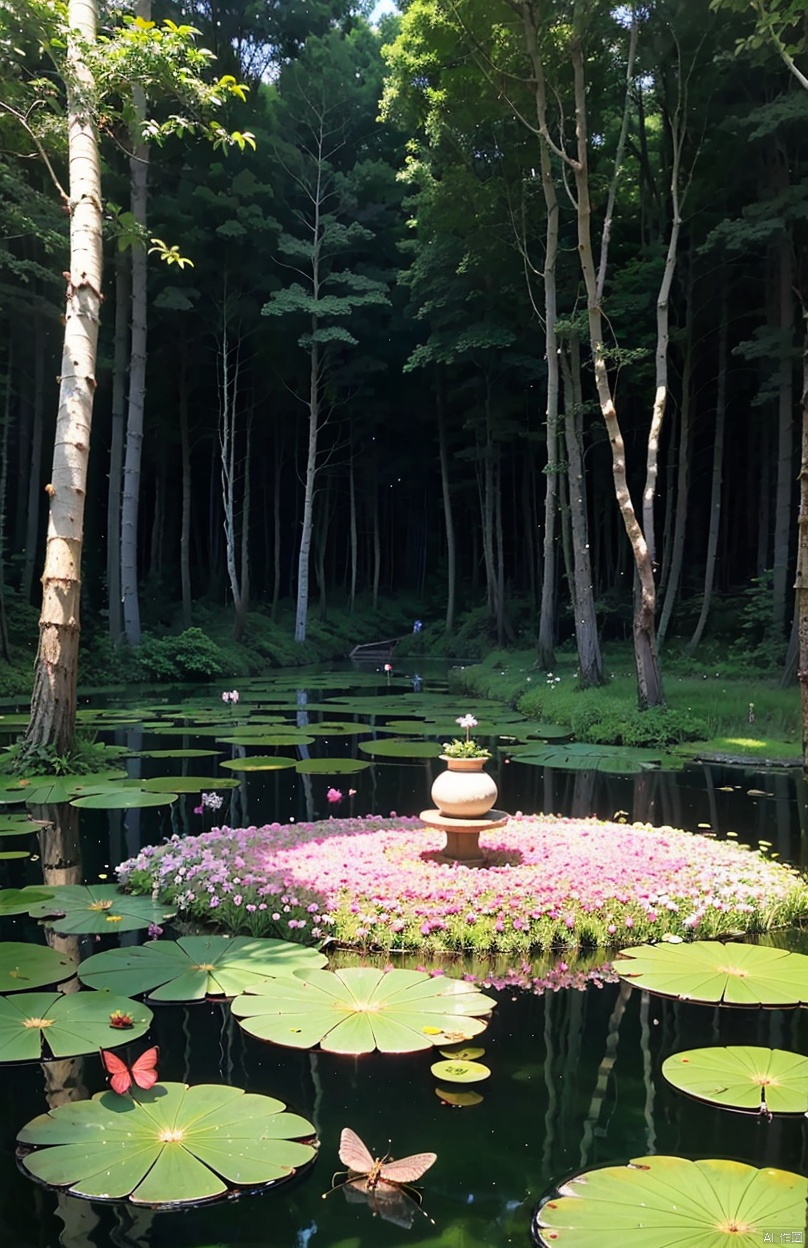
column 707, row 707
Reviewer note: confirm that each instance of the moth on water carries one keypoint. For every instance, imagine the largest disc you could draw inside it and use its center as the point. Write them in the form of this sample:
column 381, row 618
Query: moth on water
column 382, row 1182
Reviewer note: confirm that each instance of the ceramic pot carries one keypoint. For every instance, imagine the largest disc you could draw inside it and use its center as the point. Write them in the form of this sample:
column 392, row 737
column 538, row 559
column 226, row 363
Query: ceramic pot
column 465, row 790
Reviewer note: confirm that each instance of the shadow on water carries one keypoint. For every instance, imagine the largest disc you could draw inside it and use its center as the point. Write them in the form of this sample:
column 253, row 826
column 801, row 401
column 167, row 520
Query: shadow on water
column 575, row 1076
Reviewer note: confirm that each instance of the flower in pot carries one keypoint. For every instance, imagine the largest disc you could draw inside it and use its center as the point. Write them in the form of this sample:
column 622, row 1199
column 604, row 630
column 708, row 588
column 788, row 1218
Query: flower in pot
column 466, row 748
column 469, row 795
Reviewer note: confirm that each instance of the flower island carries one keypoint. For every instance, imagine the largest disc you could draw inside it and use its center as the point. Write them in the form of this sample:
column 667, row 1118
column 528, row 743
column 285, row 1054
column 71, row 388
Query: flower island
column 383, row 884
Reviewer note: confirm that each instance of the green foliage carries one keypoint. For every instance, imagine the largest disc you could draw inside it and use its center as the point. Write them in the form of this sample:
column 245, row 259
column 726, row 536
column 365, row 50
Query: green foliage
column 89, row 757
column 190, row 656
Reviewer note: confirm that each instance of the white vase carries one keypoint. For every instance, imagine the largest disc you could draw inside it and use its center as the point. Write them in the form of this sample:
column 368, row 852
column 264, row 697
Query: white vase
column 465, row 790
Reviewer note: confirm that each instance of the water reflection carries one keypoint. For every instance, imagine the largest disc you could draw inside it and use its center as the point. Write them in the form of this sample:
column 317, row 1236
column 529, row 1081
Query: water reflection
column 575, row 1074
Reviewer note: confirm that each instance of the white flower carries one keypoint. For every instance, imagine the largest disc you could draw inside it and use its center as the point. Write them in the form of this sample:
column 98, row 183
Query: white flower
column 467, row 721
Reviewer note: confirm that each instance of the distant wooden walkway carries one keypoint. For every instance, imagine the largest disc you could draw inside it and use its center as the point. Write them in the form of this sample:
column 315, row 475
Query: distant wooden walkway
column 375, row 651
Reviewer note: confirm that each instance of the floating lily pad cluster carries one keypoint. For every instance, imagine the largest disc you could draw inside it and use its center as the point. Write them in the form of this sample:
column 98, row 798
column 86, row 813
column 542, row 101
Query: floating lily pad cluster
column 690, row 1204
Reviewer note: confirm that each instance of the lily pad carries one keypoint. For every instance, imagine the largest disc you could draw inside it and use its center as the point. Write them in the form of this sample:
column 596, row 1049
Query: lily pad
column 330, row 766
column 24, row 966
column 397, row 747
column 464, row 1053
column 709, row 971
column 742, row 1077
column 669, row 1202
column 258, row 762
column 20, row 900
column 362, row 1008
column 6, row 854
column 19, row 825
column 67, row 1024
column 96, row 908
column 173, row 1146
column 195, row 967
column 62, row 788
column 192, row 753
column 331, row 729
column 579, row 756
column 124, row 799
column 458, row 1100
column 455, row 1070
column 187, row 784
column 275, row 739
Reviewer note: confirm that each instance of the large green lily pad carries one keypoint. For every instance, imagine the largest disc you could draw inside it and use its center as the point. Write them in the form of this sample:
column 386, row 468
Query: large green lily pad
column 188, row 784
column 407, row 747
column 19, row 825
column 330, row 766
column 362, row 1008
column 67, row 1024
column 578, row 756
column 47, row 792
column 258, row 762
column 124, row 799
column 742, row 1077
column 24, row 966
column 175, row 1145
column 196, row 967
column 20, row 900
column 97, row 908
column 669, row 1202
column 710, row 971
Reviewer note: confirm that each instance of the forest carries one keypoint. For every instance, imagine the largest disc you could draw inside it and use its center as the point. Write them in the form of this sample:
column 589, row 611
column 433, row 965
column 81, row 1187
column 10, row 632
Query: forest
column 481, row 306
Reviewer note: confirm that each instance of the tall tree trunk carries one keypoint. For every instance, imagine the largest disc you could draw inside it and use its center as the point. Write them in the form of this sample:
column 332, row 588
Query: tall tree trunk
column 448, row 515
column 353, row 536
column 130, row 503
column 53, row 701
column 185, row 522
column 276, row 524
column 304, row 553
column 123, row 297
column 785, row 435
column 682, row 476
column 716, row 480
column 547, row 612
column 590, row 661
column 801, row 584
column 244, row 553
column 649, row 680
column 5, row 650
column 35, row 471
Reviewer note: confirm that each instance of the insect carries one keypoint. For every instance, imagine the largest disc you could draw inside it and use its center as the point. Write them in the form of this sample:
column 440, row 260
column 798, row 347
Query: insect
column 381, row 1181
column 142, row 1072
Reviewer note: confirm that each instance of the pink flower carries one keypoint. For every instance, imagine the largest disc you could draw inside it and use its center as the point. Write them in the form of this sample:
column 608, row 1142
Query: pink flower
column 334, row 795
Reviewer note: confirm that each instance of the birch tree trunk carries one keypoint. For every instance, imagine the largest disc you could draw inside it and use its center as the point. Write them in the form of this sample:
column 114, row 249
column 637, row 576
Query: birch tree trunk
column 130, row 503
column 590, row 661
column 304, row 554
column 53, row 701
column 123, row 273
column 717, row 474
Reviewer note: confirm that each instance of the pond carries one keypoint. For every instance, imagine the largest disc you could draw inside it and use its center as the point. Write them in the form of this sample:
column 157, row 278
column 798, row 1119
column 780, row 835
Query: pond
column 575, row 1072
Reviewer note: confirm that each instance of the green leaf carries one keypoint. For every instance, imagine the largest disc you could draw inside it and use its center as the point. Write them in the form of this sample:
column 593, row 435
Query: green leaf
column 258, row 762
column 330, row 766
column 67, row 1024
column 360, row 1009
column 396, row 748
column 195, row 967
column 669, row 1202
column 172, row 1146
column 97, row 908
column 20, row 900
column 124, row 799
column 709, row 971
column 187, row 784
column 457, row 1070
column 24, row 966
column 742, row 1077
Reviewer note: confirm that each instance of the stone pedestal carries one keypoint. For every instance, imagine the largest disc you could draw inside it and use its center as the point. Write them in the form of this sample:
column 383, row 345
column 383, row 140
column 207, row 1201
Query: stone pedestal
column 463, row 835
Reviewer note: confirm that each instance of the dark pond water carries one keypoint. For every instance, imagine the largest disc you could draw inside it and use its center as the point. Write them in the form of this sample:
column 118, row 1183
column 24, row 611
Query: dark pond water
column 575, row 1074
